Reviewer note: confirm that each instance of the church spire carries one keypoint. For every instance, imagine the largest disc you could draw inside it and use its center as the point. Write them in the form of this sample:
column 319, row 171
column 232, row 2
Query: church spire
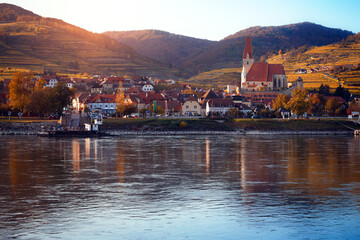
column 248, row 52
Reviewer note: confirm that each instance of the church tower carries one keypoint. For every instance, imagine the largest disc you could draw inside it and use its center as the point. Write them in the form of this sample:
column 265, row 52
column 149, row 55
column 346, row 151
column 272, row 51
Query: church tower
column 248, row 59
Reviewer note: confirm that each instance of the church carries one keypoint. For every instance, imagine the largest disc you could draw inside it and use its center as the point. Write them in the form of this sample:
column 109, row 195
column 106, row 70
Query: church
column 260, row 76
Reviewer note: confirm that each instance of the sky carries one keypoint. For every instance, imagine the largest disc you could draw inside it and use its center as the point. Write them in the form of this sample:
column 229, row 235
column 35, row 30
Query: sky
column 205, row 19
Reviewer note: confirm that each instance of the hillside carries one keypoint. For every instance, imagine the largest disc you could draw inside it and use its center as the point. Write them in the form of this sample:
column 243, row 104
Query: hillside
column 45, row 44
column 194, row 56
column 160, row 45
column 332, row 64
column 227, row 53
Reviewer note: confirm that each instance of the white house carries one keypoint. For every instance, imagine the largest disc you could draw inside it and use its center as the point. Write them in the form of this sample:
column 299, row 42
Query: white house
column 219, row 106
column 105, row 104
column 52, row 82
column 147, row 88
column 191, row 107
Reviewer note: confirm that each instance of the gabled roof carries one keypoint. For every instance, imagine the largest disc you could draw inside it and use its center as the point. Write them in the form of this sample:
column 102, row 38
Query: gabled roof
column 248, row 49
column 133, row 89
column 96, row 85
column 103, row 99
column 221, row 102
column 191, row 98
column 258, row 72
column 275, row 69
column 209, row 95
column 176, row 105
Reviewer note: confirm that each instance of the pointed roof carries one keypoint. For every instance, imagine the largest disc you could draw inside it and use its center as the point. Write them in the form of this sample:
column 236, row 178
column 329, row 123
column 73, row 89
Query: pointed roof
column 258, row 72
column 209, row 94
column 191, row 98
column 275, row 69
column 248, row 49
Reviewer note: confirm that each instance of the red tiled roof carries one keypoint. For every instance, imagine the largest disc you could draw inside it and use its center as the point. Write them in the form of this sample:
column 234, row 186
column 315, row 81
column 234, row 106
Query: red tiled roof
column 224, row 102
column 248, row 48
column 275, row 69
column 209, row 94
column 133, row 90
column 258, row 72
column 191, row 98
column 103, row 98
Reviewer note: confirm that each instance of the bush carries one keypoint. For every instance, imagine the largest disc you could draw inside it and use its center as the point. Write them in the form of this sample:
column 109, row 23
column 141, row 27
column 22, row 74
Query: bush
column 182, row 124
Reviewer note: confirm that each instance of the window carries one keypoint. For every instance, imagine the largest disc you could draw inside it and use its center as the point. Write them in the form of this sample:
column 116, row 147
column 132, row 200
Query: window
column 187, row 106
column 195, row 107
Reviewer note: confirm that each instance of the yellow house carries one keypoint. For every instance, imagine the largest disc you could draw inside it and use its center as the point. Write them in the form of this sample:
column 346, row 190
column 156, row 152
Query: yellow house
column 191, row 107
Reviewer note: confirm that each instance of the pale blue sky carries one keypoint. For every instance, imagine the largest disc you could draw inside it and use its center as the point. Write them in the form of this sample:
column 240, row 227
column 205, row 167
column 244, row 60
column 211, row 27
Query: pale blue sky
column 207, row 19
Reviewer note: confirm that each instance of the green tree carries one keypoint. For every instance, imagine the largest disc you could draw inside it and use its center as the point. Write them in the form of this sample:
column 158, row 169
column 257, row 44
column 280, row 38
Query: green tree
column 40, row 102
column 281, row 101
column 129, row 109
column 299, row 102
column 232, row 113
column 342, row 92
column 324, row 90
column 60, row 97
column 143, row 112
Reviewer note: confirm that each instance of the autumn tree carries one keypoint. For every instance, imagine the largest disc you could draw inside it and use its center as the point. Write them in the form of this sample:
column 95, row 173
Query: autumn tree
column 281, row 101
column 353, row 107
column 299, row 102
column 317, row 104
column 333, row 106
column 40, row 99
column 120, row 100
column 21, row 87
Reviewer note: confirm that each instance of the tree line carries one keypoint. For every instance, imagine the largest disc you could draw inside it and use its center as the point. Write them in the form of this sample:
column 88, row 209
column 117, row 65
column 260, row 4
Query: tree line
column 317, row 103
column 29, row 95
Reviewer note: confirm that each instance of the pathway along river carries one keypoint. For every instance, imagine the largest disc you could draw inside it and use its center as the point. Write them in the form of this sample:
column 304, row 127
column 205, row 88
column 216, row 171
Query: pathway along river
column 182, row 187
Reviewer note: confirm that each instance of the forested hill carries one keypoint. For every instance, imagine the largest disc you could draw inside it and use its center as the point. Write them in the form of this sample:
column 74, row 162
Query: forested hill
column 33, row 42
column 160, row 45
column 265, row 42
column 193, row 55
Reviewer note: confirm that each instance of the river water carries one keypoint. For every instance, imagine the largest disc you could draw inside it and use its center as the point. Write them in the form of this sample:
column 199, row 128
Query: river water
column 182, row 187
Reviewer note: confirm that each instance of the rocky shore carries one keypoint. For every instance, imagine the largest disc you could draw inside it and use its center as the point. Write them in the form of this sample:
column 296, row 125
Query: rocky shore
column 32, row 128
column 16, row 128
column 214, row 133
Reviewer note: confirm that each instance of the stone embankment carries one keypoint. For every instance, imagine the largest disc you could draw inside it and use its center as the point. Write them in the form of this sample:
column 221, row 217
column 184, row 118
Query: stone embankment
column 214, row 133
column 32, row 128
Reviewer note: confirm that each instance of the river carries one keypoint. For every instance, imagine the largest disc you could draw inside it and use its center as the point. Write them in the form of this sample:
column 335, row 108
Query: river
column 182, row 187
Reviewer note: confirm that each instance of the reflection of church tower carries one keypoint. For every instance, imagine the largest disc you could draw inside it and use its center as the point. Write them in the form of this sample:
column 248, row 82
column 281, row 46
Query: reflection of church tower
column 248, row 59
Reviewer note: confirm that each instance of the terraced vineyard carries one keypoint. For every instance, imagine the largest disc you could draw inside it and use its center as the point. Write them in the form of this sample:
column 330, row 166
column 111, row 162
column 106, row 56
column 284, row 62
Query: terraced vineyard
column 337, row 63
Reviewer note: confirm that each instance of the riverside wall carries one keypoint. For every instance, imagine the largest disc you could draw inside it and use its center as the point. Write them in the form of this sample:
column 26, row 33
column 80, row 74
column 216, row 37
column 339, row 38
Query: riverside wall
column 33, row 128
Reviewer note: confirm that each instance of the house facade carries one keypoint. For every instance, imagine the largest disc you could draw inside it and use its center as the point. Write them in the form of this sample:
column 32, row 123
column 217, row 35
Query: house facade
column 191, row 107
column 105, row 104
column 218, row 106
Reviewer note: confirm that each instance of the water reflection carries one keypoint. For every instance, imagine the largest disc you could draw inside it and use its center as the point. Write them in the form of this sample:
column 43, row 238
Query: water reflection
column 228, row 178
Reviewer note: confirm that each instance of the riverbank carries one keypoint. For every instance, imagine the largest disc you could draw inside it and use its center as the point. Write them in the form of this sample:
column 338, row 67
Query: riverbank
column 123, row 127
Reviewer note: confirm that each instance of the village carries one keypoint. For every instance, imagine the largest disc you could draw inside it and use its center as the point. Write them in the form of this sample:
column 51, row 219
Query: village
column 258, row 94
